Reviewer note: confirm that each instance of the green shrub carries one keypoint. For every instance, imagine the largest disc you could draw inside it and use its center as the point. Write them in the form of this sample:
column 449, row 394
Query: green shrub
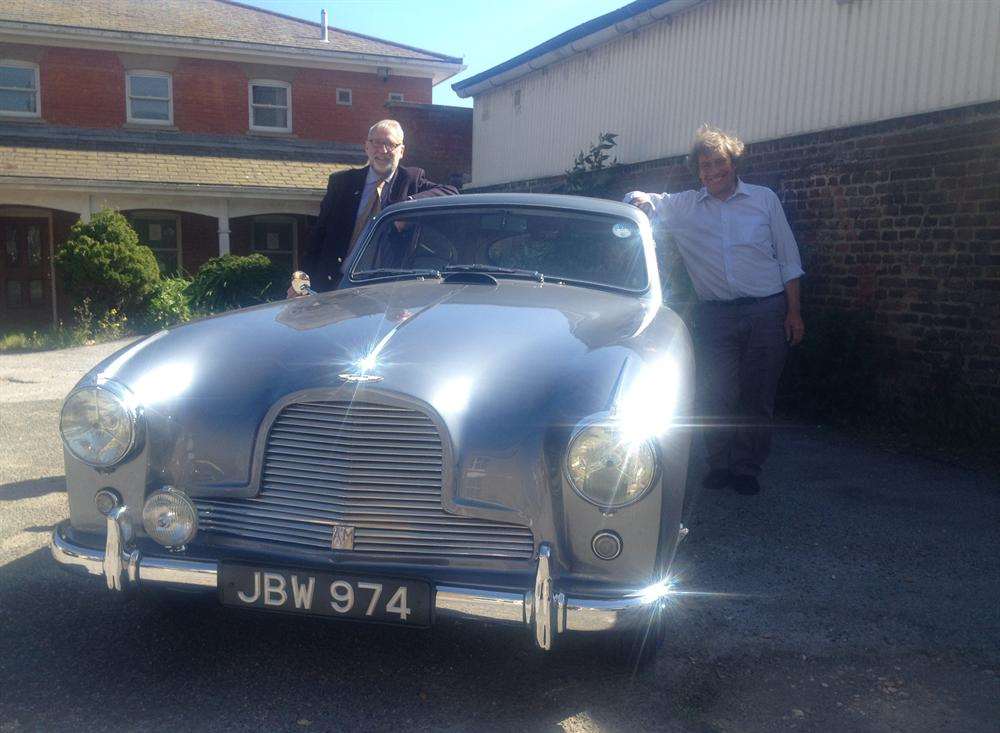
column 103, row 264
column 170, row 304
column 231, row 281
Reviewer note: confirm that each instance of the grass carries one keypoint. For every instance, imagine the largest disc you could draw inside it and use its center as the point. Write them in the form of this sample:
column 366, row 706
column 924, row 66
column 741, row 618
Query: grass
column 19, row 341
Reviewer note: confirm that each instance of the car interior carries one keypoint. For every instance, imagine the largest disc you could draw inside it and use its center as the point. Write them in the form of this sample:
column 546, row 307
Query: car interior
column 567, row 245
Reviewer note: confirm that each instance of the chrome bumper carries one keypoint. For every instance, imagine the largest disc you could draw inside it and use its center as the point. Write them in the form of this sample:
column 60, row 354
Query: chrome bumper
column 541, row 608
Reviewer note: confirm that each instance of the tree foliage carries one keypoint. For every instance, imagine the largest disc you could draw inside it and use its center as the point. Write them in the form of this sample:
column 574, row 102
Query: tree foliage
column 593, row 171
column 103, row 264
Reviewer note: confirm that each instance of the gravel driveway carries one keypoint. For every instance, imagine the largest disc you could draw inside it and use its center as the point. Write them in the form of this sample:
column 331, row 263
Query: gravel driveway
column 858, row 592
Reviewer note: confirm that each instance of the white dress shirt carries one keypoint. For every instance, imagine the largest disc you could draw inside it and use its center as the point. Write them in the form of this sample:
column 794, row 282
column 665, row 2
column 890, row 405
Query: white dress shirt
column 738, row 248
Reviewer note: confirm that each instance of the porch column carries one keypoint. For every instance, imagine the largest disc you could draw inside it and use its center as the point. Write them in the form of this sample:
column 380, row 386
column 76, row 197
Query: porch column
column 224, row 228
column 87, row 210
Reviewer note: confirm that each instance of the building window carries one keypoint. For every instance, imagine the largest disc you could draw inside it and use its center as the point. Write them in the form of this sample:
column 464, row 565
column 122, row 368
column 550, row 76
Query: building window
column 11, row 251
column 18, row 88
column 270, row 106
column 149, row 97
column 36, row 292
column 395, row 96
column 161, row 233
column 517, row 101
column 344, row 96
column 15, row 294
column 275, row 237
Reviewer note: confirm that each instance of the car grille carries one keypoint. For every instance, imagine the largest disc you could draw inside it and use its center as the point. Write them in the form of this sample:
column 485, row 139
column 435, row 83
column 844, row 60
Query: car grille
column 374, row 467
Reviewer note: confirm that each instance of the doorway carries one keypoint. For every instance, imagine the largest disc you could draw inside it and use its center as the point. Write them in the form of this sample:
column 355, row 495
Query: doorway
column 25, row 272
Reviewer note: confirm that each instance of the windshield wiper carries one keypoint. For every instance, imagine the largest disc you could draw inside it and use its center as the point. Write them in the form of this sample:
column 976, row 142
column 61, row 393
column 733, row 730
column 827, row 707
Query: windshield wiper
column 533, row 274
column 394, row 272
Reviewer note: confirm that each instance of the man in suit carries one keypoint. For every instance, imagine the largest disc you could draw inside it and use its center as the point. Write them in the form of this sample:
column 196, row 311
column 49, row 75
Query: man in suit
column 355, row 197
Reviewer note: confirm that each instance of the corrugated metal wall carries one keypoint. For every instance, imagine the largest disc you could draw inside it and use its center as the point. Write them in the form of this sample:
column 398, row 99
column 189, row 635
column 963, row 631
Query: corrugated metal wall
column 762, row 68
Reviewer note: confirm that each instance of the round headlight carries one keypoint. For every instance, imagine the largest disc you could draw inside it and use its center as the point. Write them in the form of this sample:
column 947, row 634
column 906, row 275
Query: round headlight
column 98, row 424
column 607, row 469
column 170, row 518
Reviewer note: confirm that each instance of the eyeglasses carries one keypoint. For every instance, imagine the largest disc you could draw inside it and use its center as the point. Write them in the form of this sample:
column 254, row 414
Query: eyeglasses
column 386, row 145
column 713, row 164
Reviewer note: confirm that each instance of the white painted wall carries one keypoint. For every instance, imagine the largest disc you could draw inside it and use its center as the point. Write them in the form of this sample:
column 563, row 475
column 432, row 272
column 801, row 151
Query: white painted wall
column 764, row 69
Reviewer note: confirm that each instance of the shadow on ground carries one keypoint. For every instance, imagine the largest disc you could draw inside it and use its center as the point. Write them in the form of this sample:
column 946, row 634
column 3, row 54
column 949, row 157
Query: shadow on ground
column 858, row 594
column 33, row 488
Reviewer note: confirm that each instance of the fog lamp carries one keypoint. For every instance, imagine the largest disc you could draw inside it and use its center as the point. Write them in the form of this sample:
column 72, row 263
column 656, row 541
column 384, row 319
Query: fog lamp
column 607, row 545
column 170, row 518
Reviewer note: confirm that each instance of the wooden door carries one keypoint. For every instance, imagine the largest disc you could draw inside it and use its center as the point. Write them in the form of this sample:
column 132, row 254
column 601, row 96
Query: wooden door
column 25, row 285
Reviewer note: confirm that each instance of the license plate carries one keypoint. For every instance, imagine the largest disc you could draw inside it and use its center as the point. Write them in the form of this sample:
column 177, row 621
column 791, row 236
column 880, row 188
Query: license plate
column 382, row 600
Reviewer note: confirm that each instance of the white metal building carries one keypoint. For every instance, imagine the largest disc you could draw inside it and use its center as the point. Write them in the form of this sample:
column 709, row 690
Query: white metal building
column 653, row 71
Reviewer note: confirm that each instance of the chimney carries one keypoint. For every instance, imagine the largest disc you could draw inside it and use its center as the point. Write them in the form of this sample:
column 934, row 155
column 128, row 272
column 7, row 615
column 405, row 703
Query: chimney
column 326, row 29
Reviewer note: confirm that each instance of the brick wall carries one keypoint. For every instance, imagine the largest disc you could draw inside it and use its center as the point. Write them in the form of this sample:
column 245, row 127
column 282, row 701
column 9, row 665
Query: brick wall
column 210, row 97
column 897, row 222
column 318, row 116
column 84, row 88
column 438, row 139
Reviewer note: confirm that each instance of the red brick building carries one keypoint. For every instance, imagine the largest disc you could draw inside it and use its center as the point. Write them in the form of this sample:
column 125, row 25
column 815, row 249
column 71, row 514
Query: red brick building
column 212, row 125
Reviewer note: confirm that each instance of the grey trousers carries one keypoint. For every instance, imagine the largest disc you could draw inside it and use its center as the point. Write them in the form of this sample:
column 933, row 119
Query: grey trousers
column 740, row 351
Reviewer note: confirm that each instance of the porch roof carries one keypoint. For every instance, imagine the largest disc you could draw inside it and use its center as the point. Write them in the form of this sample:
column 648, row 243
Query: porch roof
column 68, row 166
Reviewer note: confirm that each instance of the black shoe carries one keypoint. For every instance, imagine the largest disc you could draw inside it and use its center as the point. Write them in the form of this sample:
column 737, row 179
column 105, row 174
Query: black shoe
column 717, row 479
column 746, row 485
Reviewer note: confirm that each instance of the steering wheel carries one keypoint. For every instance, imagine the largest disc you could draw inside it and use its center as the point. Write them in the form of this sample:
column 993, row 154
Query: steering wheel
column 430, row 249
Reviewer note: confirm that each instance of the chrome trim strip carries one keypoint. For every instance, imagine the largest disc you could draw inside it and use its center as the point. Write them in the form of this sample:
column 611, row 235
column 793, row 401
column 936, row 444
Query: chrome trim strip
column 177, row 571
column 571, row 614
column 480, row 605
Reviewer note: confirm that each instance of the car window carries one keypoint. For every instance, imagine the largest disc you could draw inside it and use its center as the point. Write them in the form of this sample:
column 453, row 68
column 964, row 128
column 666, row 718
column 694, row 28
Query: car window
column 587, row 248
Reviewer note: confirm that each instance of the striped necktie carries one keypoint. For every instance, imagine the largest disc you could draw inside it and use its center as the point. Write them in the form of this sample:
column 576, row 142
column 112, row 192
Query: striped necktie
column 374, row 206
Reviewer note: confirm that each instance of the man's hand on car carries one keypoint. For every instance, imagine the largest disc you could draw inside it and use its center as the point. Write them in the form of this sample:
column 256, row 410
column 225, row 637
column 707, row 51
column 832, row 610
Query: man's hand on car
column 643, row 202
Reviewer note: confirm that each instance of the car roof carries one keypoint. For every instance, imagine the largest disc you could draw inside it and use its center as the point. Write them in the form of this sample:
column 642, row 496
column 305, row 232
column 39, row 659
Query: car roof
column 547, row 200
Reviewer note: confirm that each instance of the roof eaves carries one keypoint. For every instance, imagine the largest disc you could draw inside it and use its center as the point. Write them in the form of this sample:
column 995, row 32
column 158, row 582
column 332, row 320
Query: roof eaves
column 319, row 28
column 191, row 42
column 589, row 28
column 240, row 190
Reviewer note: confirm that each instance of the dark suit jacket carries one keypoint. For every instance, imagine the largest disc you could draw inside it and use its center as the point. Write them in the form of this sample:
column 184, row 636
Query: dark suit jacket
column 331, row 236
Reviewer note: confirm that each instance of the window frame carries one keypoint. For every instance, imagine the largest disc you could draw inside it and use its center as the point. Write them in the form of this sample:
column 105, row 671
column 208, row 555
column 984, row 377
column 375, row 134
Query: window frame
column 14, row 63
column 350, row 97
column 152, row 214
column 276, row 219
column 132, row 120
column 250, row 105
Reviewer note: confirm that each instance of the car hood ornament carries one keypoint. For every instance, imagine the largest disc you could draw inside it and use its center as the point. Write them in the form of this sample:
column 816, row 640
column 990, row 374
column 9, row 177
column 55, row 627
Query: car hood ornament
column 343, row 537
column 354, row 378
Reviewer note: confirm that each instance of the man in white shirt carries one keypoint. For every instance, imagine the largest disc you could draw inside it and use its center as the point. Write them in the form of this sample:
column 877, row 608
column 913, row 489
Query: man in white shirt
column 745, row 267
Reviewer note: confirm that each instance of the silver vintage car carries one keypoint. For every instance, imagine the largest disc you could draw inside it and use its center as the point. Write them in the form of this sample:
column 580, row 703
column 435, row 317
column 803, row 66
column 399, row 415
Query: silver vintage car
column 482, row 421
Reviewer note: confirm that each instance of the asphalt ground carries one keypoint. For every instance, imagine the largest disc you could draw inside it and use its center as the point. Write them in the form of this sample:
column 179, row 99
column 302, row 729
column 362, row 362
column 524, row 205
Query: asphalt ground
column 858, row 592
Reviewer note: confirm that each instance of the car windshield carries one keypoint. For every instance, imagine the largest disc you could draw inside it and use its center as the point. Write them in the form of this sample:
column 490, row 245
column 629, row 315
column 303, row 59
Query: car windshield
column 531, row 243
